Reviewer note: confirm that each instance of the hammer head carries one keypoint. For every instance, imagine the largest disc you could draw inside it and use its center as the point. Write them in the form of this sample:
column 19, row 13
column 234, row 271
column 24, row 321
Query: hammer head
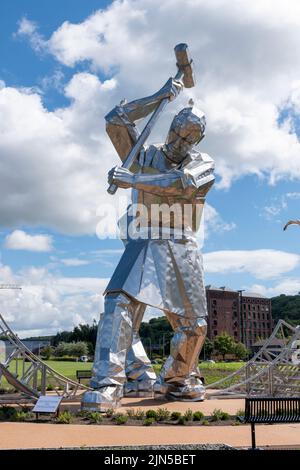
column 184, row 64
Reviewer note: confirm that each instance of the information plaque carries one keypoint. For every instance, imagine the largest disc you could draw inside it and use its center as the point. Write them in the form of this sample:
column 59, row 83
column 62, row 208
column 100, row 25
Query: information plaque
column 47, row 404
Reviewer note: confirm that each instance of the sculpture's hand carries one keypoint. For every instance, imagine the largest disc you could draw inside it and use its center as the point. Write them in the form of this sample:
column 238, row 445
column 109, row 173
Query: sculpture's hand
column 121, row 177
column 171, row 89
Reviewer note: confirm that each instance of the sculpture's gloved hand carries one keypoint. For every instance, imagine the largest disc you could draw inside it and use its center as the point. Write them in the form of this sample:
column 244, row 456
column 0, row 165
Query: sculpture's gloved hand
column 171, row 89
column 121, row 177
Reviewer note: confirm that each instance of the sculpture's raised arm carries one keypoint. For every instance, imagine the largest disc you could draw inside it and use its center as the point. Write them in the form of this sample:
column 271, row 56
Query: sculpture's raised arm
column 120, row 122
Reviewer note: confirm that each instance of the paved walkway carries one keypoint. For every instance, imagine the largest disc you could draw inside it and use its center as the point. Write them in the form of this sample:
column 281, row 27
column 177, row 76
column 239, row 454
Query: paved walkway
column 31, row 435
column 231, row 405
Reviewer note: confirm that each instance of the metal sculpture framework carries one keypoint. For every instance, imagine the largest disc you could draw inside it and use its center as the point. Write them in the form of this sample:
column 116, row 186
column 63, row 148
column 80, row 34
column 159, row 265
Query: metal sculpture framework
column 273, row 371
column 31, row 375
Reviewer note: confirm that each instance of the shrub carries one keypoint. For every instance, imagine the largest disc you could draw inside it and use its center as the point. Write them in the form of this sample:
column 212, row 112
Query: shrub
column 151, row 414
column 240, row 415
column 175, row 415
column 198, row 415
column 139, row 414
column 7, row 413
column 130, row 413
column 121, row 418
column 205, row 422
column 188, row 415
column 95, row 417
column 181, row 420
column 219, row 415
column 109, row 412
column 148, row 421
column 22, row 416
column 64, row 418
column 163, row 414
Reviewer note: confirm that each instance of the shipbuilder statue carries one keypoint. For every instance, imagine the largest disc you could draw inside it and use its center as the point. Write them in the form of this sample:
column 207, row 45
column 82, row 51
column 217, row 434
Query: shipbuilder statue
column 161, row 266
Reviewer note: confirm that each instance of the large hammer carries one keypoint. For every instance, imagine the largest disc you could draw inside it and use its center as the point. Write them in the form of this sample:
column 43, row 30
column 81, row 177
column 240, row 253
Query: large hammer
column 185, row 72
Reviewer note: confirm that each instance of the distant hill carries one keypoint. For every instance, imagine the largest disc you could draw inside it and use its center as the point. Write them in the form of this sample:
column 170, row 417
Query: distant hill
column 286, row 307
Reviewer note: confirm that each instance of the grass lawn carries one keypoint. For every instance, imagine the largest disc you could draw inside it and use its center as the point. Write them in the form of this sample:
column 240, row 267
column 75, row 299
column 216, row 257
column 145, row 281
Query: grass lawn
column 211, row 372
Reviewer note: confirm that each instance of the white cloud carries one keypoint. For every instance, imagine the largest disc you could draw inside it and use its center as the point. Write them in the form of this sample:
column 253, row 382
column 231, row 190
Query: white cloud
column 47, row 302
column 246, row 72
column 29, row 29
column 214, row 222
column 262, row 264
column 20, row 240
column 288, row 286
column 74, row 262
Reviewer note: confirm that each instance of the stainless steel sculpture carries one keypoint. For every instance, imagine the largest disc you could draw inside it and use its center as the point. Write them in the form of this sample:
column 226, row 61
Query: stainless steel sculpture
column 29, row 374
column 161, row 265
column 273, row 371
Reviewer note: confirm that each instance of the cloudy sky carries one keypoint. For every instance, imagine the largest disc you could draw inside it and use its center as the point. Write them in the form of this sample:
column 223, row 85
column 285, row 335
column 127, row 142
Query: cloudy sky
column 65, row 64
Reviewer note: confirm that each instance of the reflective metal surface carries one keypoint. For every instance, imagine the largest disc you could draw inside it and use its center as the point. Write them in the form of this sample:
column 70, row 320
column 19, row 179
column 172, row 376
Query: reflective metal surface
column 161, row 265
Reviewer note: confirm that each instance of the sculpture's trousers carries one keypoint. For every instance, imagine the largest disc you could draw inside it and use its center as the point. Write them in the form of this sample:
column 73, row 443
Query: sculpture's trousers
column 120, row 355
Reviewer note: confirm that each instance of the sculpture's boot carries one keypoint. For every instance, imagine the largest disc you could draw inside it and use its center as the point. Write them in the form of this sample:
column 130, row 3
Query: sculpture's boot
column 139, row 371
column 114, row 338
column 179, row 378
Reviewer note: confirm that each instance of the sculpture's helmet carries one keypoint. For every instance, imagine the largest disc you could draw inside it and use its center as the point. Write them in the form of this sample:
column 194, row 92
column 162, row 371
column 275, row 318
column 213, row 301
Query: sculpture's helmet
column 188, row 125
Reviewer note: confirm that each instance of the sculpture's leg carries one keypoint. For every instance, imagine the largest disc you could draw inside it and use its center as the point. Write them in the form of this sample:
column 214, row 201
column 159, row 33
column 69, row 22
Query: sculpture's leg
column 139, row 371
column 114, row 338
column 180, row 377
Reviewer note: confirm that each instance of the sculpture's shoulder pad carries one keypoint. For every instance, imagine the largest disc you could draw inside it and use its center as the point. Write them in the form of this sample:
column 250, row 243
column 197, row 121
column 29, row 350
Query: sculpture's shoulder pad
column 198, row 169
column 197, row 162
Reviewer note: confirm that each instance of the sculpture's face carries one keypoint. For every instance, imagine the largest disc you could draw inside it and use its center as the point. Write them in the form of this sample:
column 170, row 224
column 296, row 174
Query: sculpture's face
column 186, row 131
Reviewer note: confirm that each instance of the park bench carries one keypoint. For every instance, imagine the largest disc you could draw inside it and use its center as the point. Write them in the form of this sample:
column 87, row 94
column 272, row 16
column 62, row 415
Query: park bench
column 270, row 410
column 83, row 374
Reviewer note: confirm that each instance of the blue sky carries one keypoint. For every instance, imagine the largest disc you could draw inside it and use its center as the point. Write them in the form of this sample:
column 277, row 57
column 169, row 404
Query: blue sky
column 64, row 64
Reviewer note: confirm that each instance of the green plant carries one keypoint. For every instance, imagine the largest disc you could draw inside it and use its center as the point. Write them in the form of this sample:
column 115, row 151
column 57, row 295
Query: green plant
column 188, row 415
column 162, row 414
column 198, row 416
column 205, row 422
column 139, row 414
column 109, row 412
column 7, row 413
column 151, row 414
column 121, row 418
column 64, row 418
column 21, row 416
column 95, row 417
column 182, row 420
column 130, row 413
column 175, row 415
column 219, row 415
column 148, row 421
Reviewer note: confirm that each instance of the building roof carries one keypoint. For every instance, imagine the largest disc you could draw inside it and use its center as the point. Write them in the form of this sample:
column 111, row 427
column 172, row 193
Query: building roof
column 253, row 294
column 222, row 288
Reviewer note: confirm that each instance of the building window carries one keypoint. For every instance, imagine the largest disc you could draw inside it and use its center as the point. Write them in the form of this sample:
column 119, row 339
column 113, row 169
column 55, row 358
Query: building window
column 215, row 333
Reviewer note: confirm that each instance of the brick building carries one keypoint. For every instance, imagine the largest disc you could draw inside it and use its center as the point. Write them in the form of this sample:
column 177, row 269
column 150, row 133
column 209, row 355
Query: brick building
column 243, row 315
column 256, row 315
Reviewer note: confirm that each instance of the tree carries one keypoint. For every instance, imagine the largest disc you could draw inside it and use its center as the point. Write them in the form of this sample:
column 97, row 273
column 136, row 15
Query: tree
column 47, row 352
column 207, row 349
column 78, row 349
column 224, row 344
column 241, row 351
column 71, row 349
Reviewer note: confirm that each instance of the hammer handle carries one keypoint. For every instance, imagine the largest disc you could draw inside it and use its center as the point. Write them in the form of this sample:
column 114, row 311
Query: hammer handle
column 112, row 189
